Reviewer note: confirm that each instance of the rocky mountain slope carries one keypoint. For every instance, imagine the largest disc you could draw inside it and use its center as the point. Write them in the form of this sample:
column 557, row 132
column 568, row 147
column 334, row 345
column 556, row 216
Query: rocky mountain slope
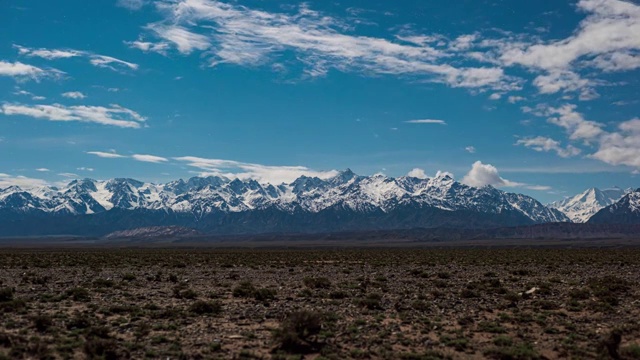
column 625, row 211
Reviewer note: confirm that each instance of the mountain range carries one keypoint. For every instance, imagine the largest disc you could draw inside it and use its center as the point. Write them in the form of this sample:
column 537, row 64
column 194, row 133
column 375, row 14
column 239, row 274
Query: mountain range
column 346, row 202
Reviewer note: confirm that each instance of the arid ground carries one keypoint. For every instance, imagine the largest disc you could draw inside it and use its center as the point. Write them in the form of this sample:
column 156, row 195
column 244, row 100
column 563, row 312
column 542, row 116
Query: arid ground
column 320, row 304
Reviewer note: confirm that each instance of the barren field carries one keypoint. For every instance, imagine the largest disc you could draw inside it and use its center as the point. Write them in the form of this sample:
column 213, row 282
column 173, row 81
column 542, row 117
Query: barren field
column 320, row 304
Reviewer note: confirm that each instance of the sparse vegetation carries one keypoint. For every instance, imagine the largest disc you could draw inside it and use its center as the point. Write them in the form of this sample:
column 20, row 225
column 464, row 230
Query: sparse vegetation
column 280, row 304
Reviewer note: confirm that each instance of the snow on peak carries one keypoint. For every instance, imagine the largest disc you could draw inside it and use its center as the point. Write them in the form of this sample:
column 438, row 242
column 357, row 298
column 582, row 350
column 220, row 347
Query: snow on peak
column 581, row 207
column 213, row 194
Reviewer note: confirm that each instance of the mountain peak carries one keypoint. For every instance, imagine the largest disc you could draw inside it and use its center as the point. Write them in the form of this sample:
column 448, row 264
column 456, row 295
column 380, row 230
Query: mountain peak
column 343, row 177
column 581, row 207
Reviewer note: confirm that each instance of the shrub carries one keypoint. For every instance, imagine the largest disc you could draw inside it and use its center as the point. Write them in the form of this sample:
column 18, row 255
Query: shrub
column 468, row 294
column 516, row 352
column 180, row 292
column 338, row 295
column 371, row 302
column 420, row 305
column 78, row 322
column 503, row 340
column 264, row 294
column 579, row 294
column 244, row 289
column 102, row 349
column 6, row 294
column 631, row 351
column 100, row 283
column 42, row 323
column 296, row 330
column 491, row 327
column 79, row 294
column 202, row 307
column 608, row 288
column 459, row 344
column 13, row 305
column 317, row 282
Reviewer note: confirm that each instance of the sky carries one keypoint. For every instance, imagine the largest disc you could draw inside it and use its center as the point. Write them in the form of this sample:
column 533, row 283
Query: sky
column 538, row 97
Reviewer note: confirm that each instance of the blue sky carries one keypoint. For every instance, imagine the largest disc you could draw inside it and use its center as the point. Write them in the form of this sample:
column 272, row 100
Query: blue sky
column 540, row 97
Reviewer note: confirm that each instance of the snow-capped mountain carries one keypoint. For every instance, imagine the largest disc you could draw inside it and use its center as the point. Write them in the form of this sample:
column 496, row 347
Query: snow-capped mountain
column 221, row 205
column 624, row 211
column 582, row 207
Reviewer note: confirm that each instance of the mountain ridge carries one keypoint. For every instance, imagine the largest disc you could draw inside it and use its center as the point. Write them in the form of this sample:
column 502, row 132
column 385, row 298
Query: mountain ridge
column 217, row 204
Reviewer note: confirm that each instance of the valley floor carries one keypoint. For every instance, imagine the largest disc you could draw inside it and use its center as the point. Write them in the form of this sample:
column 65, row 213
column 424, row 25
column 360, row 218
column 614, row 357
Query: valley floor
column 320, row 304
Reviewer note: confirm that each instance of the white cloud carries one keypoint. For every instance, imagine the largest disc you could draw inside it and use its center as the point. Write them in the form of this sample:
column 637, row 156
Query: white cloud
column 618, row 147
column 183, row 39
column 108, row 155
column 463, row 42
column 46, row 53
column 556, row 81
column 131, row 4
column 486, row 174
column 621, row 147
column 68, row 175
column 578, row 128
column 27, row 93
column 114, row 115
column 149, row 158
column 417, row 173
column 441, row 173
column 261, row 173
column 160, row 47
column 74, row 95
column 470, row 149
column 235, row 34
column 514, row 99
column 97, row 60
column 426, row 121
column 545, row 144
column 111, row 62
column 42, row 169
column 19, row 71
column 539, row 187
column 606, row 39
column 20, row 181
column 85, row 169
column 112, row 154
column 619, row 61
column 610, row 27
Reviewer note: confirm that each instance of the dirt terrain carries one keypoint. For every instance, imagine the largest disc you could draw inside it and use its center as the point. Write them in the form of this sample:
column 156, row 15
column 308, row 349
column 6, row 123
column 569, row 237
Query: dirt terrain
column 320, row 304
